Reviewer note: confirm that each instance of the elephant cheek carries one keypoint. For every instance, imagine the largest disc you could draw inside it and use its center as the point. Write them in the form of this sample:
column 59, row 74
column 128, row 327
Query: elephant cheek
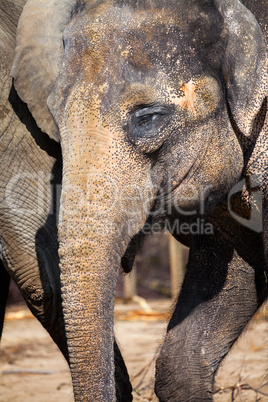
column 211, row 177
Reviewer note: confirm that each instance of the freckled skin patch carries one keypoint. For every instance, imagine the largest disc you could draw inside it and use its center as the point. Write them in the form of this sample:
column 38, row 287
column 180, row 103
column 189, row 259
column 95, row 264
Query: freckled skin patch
column 200, row 96
column 189, row 98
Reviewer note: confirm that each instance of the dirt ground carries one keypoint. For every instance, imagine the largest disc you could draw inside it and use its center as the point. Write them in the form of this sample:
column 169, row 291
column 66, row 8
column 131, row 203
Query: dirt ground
column 33, row 370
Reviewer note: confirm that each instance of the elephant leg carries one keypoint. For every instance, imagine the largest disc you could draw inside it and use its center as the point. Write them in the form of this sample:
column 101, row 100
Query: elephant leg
column 4, row 287
column 44, row 301
column 217, row 299
column 42, row 295
column 36, row 274
column 123, row 386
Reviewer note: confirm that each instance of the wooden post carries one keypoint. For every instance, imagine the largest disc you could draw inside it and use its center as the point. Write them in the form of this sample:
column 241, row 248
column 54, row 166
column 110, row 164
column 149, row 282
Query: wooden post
column 177, row 265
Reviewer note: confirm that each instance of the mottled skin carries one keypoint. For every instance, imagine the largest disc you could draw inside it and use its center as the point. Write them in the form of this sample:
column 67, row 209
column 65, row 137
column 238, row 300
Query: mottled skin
column 26, row 231
column 159, row 107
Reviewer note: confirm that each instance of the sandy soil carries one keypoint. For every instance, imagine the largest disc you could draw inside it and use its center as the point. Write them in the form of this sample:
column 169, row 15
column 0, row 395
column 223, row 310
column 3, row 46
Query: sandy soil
column 33, row 370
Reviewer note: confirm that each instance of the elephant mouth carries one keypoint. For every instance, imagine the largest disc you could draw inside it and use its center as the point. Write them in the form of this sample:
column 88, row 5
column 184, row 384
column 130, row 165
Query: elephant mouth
column 133, row 248
column 155, row 217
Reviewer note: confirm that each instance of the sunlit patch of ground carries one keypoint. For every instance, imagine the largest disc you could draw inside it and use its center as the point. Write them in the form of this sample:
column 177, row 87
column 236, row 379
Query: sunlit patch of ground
column 33, row 370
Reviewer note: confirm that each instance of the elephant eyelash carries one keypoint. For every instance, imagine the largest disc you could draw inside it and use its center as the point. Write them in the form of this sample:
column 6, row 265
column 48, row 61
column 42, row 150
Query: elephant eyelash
column 143, row 106
column 143, row 111
column 145, row 119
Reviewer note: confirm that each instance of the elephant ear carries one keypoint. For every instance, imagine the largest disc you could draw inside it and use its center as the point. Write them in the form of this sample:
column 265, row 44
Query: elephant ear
column 38, row 56
column 245, row 63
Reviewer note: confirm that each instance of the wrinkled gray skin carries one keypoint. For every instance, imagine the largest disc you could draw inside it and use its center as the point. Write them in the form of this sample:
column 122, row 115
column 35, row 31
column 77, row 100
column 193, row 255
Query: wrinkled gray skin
column 151, row 112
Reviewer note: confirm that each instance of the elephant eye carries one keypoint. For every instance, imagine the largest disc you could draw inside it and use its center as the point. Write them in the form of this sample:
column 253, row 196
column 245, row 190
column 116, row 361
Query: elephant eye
column 147, row 122
column 147, row 116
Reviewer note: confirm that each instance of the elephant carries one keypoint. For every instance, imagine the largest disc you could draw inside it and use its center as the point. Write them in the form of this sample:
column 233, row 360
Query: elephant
column 119, row 117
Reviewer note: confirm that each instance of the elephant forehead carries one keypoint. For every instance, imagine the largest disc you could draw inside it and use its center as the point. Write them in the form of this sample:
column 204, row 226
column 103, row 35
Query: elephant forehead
column 141, row 39
column 107, row 20
column 128, row 56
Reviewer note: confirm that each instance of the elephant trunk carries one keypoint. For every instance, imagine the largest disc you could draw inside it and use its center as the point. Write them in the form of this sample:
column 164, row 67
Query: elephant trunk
column 89, row 269
column 88, row 277
column 89, row 262
column 90, row 251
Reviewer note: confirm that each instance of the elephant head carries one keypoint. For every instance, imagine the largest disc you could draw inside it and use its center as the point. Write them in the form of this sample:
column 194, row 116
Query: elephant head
column 146, row 98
